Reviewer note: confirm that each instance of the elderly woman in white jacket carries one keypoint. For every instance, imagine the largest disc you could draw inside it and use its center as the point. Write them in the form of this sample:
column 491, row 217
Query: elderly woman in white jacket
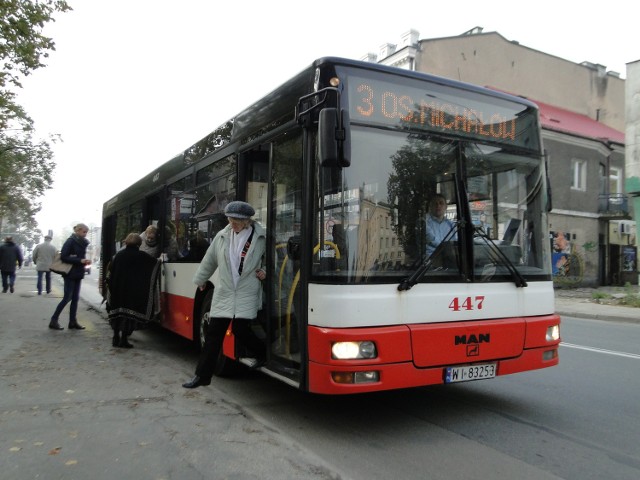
column 237, row 252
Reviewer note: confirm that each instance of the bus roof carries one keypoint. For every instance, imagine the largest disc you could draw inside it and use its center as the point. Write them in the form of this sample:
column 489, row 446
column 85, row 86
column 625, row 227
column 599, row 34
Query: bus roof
column 423, row 76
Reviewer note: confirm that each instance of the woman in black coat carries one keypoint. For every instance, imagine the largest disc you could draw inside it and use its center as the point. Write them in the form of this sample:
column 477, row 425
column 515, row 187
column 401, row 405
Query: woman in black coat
column 132, row 290
column 73, row 251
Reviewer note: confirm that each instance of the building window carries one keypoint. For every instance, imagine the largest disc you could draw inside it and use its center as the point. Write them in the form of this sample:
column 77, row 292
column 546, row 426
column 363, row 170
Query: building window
column 579, row 175
column 615, row 180
column 603, row 180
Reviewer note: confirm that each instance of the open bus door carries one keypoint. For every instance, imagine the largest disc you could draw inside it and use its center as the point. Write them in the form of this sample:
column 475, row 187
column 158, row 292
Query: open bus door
column 273, row 186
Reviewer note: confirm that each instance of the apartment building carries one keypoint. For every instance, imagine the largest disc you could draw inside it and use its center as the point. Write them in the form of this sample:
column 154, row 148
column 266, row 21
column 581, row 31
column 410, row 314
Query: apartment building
column 582, row 110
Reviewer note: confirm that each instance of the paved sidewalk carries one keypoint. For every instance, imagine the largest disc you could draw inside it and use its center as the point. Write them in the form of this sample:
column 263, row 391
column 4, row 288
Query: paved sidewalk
column 73, row 407
column 580, row 303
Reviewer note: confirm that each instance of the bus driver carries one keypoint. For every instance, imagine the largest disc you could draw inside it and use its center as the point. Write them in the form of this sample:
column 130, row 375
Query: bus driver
column 437, row 225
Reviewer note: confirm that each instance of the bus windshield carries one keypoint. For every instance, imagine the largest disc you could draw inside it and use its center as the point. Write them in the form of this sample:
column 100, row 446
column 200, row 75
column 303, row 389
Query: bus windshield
column 399, row 206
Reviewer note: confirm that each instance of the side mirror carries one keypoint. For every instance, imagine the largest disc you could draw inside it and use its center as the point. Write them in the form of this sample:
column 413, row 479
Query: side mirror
column 334, row 138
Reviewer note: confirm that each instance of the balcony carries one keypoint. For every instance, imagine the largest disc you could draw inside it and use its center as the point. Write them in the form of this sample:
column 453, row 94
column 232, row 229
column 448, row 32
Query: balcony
column 613, row 205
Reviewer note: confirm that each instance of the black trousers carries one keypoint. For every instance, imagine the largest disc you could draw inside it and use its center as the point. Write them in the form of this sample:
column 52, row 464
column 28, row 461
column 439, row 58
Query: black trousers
column 215, row 336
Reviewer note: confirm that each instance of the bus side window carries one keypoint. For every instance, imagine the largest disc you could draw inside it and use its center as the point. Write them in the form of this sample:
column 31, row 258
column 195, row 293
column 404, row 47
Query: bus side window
column 171, row 248
column 198, row 246
column 257, row 186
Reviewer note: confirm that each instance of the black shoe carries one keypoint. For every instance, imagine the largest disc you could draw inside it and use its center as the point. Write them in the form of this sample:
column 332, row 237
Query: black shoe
column 124, row 343
column 11, row 289
column 76, row 326
column 55, row 326
column 196, row 381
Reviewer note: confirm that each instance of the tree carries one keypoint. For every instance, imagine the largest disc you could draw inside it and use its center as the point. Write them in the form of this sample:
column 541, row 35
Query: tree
column 22, row 49
column 26, row 164
column 26, row 172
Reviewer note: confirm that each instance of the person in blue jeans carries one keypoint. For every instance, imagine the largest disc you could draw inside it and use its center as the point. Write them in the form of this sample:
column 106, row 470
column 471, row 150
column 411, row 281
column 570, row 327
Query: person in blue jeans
column 73, row 251
column 43, row 256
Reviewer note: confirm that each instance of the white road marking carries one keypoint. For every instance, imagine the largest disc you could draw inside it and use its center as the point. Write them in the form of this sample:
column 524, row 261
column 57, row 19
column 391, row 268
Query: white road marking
column 601, row 350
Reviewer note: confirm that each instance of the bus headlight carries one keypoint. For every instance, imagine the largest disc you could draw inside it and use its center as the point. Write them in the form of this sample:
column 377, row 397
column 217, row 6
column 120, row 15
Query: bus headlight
column 553, row 333
column 353, row 350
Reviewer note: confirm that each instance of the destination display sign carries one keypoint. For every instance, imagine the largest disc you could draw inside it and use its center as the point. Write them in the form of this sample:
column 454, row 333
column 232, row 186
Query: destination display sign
column 424, row 105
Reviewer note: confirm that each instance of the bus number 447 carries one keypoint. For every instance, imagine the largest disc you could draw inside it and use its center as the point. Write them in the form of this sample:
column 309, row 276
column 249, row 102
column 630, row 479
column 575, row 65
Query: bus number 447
column 469, row 303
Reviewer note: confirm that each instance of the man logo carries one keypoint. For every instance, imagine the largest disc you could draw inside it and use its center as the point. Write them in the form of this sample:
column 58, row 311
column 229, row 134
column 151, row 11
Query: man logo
column 473, row 342
column 470, row 339
column 473, row 350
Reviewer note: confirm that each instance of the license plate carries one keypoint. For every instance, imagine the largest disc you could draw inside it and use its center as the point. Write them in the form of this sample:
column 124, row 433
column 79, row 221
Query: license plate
column 469, row 372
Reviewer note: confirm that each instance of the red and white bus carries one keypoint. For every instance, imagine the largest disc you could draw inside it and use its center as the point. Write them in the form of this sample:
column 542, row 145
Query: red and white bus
column 340, row 163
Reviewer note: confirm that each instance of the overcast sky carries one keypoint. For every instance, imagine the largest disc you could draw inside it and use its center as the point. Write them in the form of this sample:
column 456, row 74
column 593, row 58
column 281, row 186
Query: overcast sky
column 134, row 82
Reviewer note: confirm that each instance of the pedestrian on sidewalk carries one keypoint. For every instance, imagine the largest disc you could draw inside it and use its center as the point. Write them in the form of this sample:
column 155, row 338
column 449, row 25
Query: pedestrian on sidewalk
column 73, row 251
column 43, row 256
column 133, row 290
column 10, row 256
column 238, row 252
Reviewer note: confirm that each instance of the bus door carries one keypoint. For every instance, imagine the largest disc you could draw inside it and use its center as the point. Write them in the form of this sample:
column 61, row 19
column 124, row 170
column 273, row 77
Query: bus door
column 176, row 282
column 107, row 249
column 281, row 214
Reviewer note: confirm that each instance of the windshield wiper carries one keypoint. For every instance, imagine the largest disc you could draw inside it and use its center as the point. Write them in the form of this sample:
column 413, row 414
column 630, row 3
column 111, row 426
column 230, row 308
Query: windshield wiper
column 517, row 276
column 415, row 277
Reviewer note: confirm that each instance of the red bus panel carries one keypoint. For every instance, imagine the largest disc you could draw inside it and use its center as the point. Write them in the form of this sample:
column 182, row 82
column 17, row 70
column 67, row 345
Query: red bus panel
column 177, row 314
column 418, row 355
column 464, row 342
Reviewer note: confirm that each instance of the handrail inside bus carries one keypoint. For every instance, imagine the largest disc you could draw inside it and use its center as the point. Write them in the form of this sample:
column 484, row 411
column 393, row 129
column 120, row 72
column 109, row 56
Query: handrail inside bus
column 292, row 290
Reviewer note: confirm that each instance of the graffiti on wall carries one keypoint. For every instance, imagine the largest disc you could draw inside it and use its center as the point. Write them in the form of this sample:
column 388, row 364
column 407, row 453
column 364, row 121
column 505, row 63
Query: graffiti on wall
column 567, row 263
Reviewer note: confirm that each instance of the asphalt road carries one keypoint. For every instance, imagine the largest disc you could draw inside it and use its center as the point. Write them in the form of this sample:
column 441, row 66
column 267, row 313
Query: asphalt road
column 127, row 414
column 575, row 421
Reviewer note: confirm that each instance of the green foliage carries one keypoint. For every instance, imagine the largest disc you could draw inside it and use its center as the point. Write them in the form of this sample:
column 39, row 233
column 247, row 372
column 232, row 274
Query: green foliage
column 631, row 298
column 26, row 163
column 22, row 49
column 600, row 295
column 26, row 170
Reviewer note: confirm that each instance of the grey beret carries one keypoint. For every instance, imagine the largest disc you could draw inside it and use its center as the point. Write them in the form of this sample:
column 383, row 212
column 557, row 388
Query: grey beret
column 239, row 210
